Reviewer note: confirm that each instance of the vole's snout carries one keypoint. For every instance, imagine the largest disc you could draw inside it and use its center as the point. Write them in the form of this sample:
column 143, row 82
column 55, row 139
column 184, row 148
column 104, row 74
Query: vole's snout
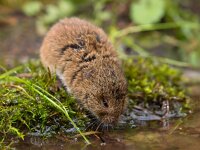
column 108, row 114
column 107, row 118
column 110, row 120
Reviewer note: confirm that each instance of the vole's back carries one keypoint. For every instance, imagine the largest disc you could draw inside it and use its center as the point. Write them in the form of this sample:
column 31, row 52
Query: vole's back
column 68, row 38
column 72, row 45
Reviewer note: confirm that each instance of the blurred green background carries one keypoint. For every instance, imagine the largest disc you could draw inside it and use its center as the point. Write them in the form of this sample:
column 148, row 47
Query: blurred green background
column 168, row 30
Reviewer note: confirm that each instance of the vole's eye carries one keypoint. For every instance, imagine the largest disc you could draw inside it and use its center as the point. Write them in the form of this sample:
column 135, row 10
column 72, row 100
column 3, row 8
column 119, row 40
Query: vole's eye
column 104, row 103
column 98, row 38
column 75, row 46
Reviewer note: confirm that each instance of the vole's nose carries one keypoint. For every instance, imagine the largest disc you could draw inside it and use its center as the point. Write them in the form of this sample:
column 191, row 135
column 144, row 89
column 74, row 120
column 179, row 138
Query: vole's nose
column 103, row 114
column 110, row 120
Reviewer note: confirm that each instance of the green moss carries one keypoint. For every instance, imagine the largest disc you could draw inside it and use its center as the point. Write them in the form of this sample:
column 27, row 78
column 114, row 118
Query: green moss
column 25, row 110
column 22, row 110
column 152, row 81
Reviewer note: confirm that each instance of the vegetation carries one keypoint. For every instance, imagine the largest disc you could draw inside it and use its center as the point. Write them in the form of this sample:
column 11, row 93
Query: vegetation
column 27, row 103
column 157, row 14
column 152, row 83
column 180, row 39
column 153, row 80
column 33, row 102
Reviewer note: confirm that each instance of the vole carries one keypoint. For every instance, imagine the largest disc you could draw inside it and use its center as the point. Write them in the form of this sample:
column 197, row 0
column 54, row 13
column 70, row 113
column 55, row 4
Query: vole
column 85, row 61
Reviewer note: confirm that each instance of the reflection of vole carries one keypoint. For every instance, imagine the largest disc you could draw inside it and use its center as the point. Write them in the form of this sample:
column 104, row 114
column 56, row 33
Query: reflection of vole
column 85, row 61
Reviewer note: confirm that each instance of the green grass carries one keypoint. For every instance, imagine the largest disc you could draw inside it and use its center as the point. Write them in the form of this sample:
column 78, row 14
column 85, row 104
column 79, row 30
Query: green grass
column 26, row 101
column 48, row 97
column 32, row 101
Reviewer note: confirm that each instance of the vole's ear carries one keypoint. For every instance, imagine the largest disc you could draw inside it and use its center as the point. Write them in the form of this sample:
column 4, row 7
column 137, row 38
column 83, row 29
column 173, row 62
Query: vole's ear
column 81, row 42
column 98, row 39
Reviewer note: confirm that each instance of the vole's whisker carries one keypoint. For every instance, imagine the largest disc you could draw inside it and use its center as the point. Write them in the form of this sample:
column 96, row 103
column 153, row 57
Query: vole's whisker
column 99, row 125
column 107, row 127
column 90, row 124
column 91, row 117
column 103, row 128
column 94, row 125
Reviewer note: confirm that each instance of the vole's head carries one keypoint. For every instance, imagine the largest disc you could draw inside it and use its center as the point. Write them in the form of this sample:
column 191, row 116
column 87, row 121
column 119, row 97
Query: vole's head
column 108, row 106
column 106, row 90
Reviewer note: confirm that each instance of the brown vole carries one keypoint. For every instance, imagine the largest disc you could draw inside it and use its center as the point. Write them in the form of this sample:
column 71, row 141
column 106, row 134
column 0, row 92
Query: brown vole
column 87, row 64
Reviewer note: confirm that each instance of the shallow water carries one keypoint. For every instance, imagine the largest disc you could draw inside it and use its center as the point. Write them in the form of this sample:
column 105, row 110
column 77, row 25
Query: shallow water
column 181, row 133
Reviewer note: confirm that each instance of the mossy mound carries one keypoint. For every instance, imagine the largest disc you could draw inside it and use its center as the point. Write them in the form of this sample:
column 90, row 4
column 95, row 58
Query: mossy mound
column 152, row 81
column 24, row 108
column 156, row 90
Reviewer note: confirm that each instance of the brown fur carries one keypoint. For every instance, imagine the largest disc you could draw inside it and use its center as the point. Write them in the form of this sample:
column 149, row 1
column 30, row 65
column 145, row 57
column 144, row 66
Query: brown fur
column 87, row 64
